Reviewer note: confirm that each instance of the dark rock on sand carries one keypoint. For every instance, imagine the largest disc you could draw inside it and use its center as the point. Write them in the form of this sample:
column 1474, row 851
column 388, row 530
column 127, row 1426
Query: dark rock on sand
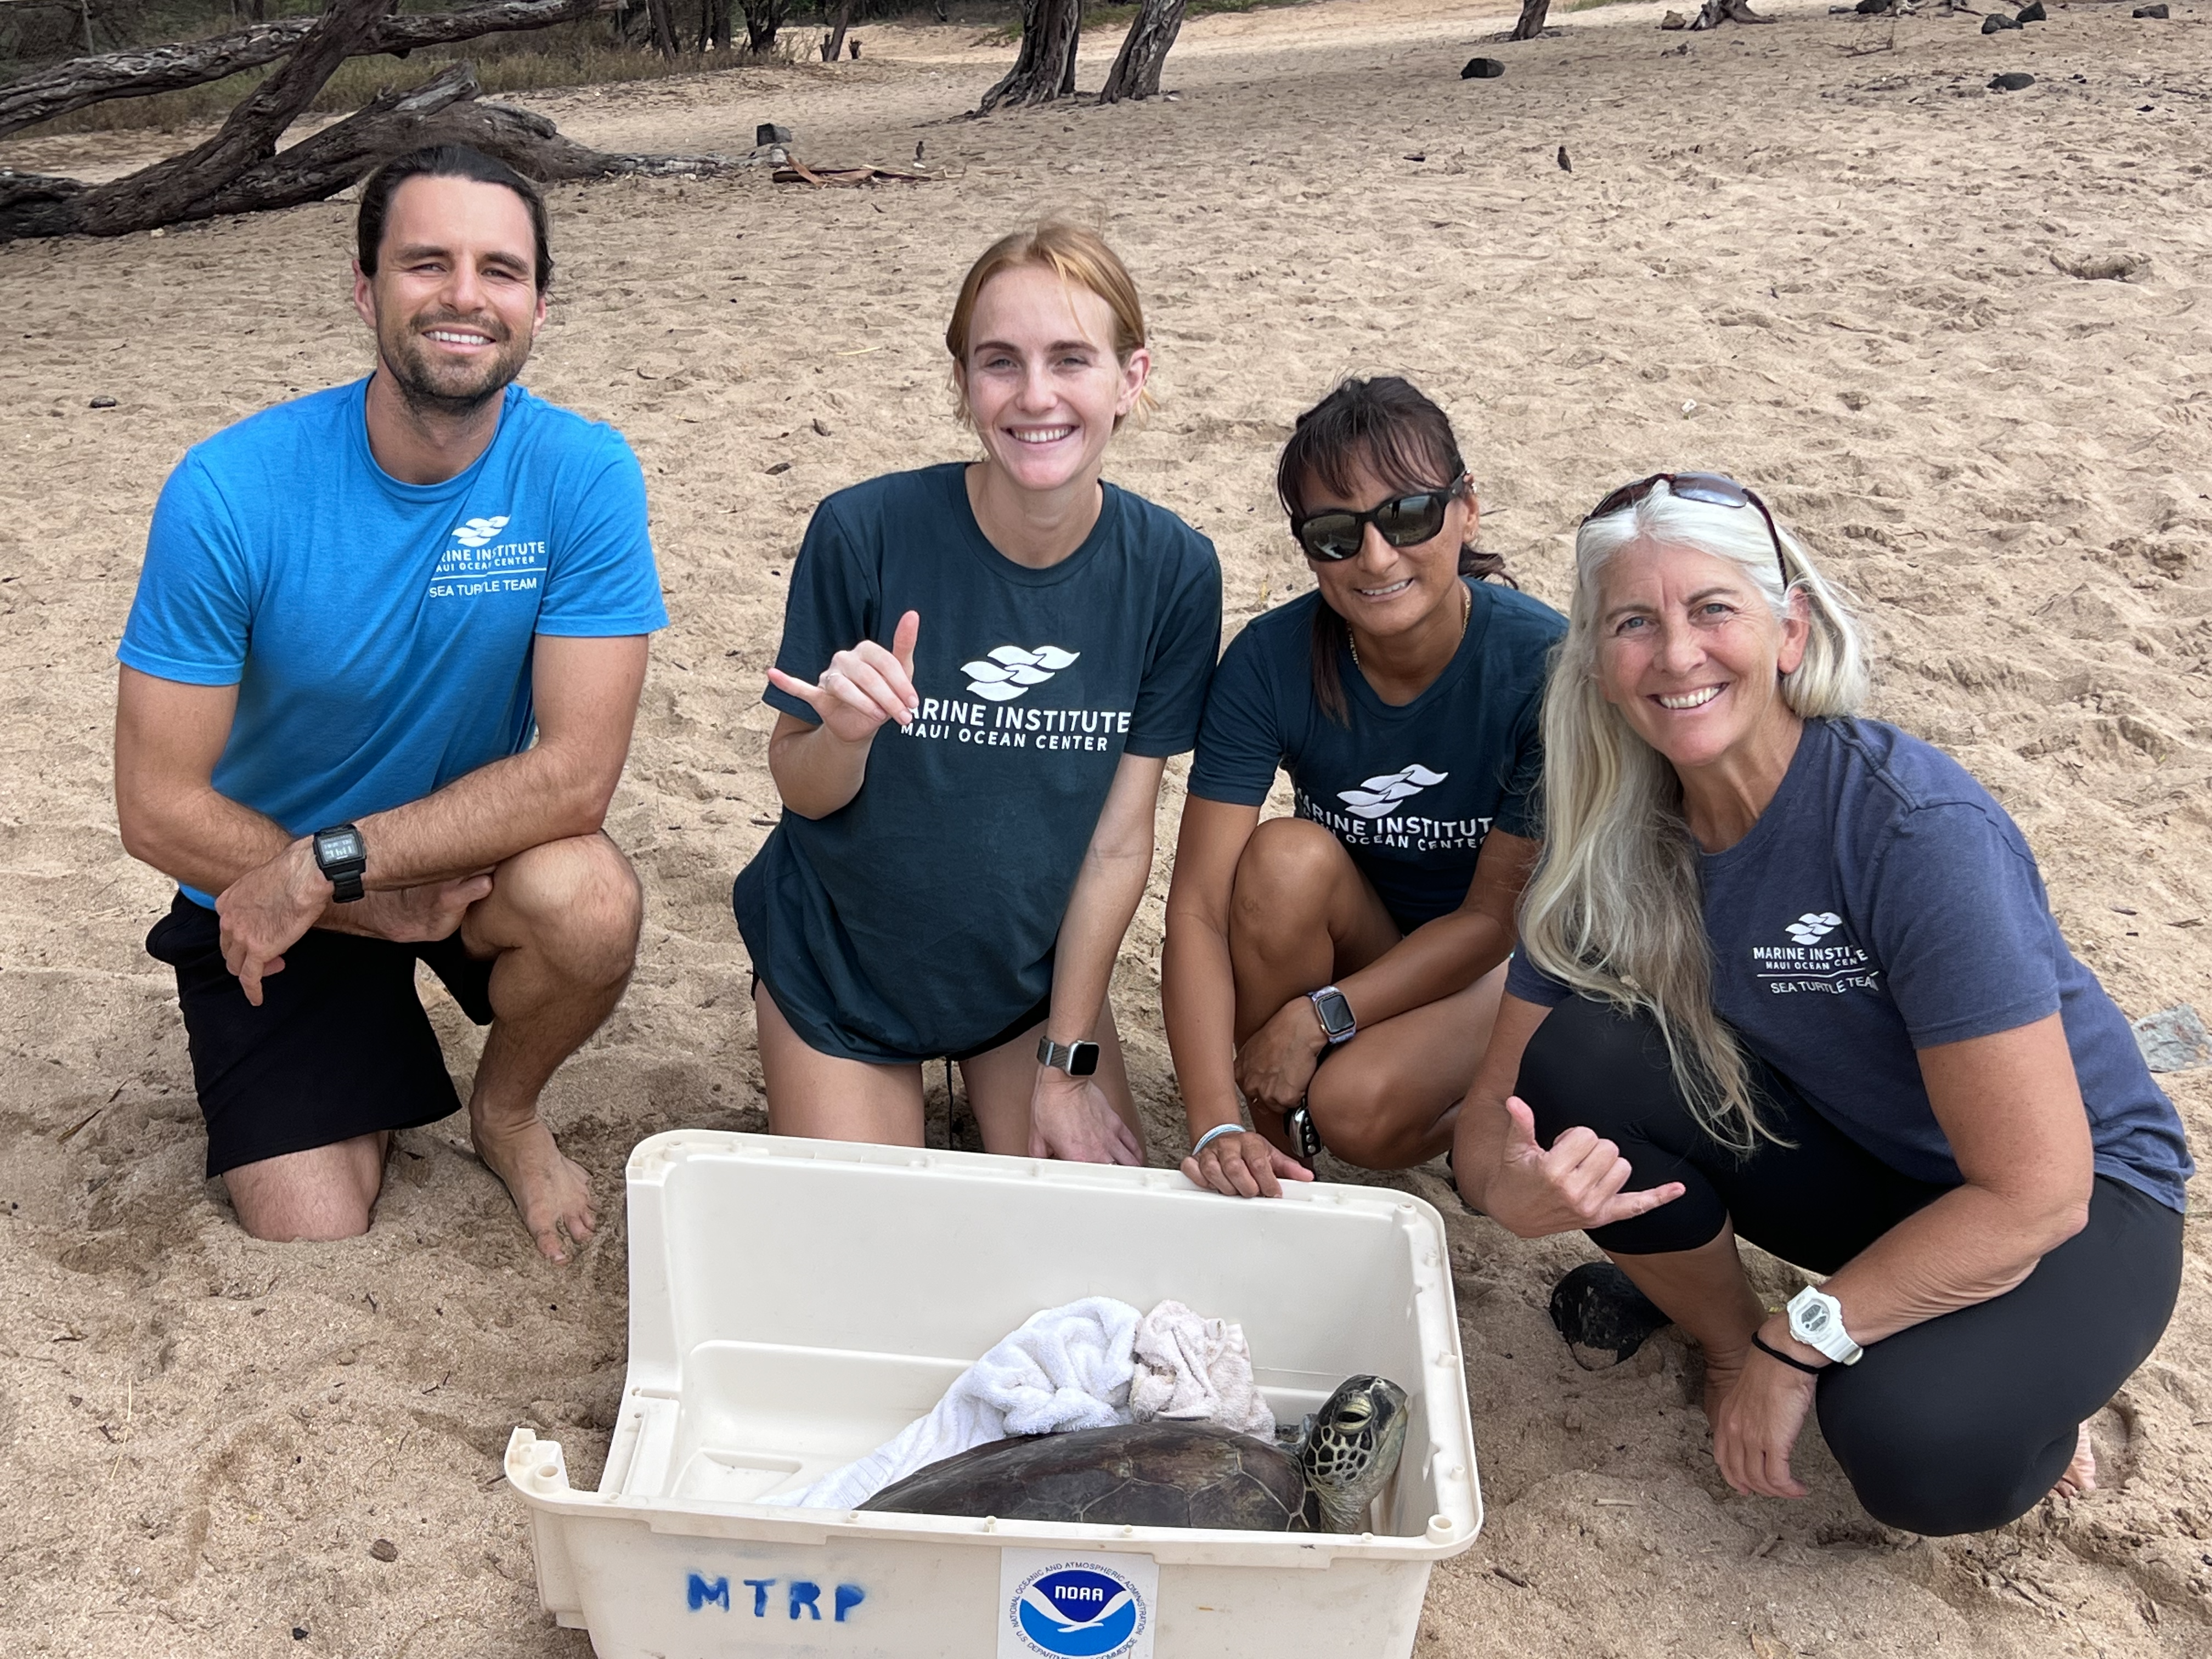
column 2158, row 11
column 1602, row 1315
column 2032, row 12
column 2015, row 82
column 1995, row 21
column 1874, row 8
column 768, row 133
column 103, row 402
column 1482, row 69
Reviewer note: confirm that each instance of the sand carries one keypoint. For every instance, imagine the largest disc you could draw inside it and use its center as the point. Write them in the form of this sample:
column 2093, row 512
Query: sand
column 1818, row 255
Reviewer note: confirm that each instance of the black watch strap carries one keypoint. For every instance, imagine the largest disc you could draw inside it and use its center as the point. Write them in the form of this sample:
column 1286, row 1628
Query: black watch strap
column 343, row 857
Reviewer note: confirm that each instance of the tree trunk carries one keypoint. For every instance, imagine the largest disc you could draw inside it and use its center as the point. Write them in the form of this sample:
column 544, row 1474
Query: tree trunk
column 833, row 44
column 763, row 19
column 1137, row 66
column 1045, row 63
column 441, row 111
column 722, row 25
column 662, row 23
column 170, row 190
column 1074, row 41
column 1531, row 22
column 144, row 70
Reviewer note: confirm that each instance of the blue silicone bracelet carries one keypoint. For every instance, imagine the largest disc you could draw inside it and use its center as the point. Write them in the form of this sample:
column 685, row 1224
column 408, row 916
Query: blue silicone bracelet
column 1214, row 1134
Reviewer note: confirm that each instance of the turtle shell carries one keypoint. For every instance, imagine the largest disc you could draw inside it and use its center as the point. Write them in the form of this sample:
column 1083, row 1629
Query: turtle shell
column 1137, row 1474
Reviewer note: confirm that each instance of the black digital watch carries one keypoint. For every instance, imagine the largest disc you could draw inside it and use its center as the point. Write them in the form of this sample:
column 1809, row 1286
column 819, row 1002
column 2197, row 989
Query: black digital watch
column 1334, row 1013
column 1075, row 1058
column 343, row 857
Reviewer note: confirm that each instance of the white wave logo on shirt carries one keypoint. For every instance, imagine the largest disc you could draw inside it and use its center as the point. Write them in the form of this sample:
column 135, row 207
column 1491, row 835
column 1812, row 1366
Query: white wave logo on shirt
column 1008, row 672
column 477, row 564
column 1809, row 965
column 477, row 531
column 1814, row 926
column 1379, row 797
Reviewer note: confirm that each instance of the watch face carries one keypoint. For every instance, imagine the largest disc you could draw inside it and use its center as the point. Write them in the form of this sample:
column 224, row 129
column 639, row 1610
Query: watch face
column 1814, row 1316
column 1082, row 1058
column 1335, row 1012
column 340, row 848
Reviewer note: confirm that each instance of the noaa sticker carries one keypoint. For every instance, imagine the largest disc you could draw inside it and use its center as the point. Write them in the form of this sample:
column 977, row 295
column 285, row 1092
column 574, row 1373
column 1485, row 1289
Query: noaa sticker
column 1085, row 1606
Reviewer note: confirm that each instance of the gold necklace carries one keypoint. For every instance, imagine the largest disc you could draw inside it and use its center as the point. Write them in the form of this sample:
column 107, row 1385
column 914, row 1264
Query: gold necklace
column 1466, row 611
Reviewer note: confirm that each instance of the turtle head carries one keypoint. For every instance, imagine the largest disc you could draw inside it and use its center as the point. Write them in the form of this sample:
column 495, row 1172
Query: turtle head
column 1353, row 1449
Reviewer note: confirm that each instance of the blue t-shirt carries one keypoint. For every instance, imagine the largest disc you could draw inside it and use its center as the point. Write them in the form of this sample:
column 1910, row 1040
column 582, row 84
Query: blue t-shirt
column 379, row 633
column 920, row 917
column 1884, row 903
column 1411, row 790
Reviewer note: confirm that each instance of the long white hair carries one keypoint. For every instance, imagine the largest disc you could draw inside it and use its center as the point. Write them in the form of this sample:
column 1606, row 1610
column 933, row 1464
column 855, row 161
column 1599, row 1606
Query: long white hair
column 1614, row 910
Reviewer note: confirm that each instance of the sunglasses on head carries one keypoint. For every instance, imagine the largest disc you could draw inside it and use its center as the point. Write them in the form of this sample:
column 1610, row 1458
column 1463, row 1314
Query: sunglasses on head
column 1709, row 487
column 1404, row 522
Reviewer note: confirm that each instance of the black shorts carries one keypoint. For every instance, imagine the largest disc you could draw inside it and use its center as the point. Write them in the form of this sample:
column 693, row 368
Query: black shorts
column 1035, row 1016
column 340, row 1046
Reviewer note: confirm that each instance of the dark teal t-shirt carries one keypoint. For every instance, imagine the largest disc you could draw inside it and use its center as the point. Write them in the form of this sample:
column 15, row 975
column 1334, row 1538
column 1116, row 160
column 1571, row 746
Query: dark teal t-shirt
column 1412, row 792
column 1885, row 904
column 920, row 919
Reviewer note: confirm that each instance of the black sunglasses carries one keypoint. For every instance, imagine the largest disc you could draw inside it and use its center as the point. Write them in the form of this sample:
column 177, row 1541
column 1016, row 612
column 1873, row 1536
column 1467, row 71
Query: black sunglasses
column 1405, row 521
column 1709, row 487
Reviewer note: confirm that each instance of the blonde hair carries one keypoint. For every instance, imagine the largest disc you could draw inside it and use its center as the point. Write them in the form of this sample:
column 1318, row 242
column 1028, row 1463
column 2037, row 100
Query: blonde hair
column 1614, row 910
column 1079, row 257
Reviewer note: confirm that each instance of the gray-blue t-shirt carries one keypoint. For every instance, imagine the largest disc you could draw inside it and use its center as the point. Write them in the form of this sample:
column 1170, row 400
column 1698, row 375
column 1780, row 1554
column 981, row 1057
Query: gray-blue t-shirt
column 920, row 918
column 1884, row 903
column 1411, row 789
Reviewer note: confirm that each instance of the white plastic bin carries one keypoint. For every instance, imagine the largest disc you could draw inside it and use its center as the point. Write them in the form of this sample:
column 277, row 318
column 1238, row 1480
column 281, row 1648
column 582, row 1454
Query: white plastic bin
column 794, row 1304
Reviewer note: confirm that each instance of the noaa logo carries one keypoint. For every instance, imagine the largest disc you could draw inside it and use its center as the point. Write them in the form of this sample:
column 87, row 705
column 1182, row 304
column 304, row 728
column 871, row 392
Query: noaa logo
column 1010, row 670
column 1814, row 926
column 1378, row 797
column 1078, row 1611
column 477, row 531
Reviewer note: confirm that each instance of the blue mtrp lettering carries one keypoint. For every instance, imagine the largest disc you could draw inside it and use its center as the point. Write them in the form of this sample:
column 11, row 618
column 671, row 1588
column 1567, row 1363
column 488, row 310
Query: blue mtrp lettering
column 759, row 1587
column 804, row 1594
column 848, row 1597
column 698, row 1593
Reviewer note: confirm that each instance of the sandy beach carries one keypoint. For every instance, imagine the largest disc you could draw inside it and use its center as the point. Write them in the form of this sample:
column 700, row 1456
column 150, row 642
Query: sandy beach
column 1819, row 255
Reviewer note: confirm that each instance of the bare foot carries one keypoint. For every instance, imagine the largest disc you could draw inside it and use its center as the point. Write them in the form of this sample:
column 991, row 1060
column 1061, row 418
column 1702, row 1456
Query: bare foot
column 552, row 1192
column 2081, row 1475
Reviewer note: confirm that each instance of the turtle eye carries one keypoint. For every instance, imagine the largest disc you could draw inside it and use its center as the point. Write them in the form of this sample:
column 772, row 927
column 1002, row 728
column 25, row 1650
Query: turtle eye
column 1355, row 1413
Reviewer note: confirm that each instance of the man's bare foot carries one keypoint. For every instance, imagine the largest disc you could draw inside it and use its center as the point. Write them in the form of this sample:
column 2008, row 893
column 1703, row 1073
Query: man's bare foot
column 552, row 1192
column 2080, row 1474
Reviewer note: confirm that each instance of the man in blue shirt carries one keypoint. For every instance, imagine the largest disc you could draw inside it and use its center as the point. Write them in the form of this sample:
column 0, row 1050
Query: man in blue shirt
column 378, row 686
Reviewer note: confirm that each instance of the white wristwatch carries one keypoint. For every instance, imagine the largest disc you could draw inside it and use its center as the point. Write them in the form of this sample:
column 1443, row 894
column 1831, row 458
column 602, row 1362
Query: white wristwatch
column 1816, row 1319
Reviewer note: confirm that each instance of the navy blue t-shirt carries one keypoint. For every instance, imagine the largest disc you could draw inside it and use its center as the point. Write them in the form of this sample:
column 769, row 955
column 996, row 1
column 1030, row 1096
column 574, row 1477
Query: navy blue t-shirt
column 1884, row 903
column 920, row 919
column 1410, row 790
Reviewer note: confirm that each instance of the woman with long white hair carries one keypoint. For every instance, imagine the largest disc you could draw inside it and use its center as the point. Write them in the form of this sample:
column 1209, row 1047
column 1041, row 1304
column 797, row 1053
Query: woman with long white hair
column 1789, row 974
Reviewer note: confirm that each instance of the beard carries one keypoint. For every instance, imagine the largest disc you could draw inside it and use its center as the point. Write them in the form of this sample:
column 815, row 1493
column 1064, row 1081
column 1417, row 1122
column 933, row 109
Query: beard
column 431, row 384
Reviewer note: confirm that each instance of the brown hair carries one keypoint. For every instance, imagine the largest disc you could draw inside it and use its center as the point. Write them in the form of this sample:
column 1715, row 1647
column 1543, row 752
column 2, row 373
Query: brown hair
column 444, row 161
column 1074, row 254
column 1387, row 426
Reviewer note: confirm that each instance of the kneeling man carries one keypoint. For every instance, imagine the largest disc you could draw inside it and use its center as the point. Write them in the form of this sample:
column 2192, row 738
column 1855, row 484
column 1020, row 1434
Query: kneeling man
column 377, row 689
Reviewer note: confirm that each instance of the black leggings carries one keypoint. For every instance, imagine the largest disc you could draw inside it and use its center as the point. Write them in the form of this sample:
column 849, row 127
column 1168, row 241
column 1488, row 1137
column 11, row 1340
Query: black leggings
column 1953, row 1425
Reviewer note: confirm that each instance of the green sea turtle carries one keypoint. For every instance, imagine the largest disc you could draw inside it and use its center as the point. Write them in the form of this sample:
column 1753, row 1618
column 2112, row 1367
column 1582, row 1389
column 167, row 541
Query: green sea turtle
column 1164, row 1473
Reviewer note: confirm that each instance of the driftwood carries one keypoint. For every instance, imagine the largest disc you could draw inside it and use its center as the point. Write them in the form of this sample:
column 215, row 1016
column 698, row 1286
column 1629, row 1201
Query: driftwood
column 44, row 94
column 1717, row 12
column 1137, row 66
column 440, row 111
column 1045, row 69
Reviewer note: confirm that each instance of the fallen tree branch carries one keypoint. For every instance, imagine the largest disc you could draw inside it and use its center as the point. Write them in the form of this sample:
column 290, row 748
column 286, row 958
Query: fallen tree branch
column 441, row 111
column 140, row 73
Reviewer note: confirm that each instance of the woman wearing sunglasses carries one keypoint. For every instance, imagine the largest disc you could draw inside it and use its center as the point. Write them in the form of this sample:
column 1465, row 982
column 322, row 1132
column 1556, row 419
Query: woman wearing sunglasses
column 1339, row 968
column 1789, row 974
column 984, row 666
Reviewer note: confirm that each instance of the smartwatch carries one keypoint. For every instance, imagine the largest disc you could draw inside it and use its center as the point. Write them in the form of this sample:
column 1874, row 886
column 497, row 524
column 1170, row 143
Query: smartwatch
column 1075, row 1058
column 1816, row 1319
column 1337, row 1023
column 341, row 856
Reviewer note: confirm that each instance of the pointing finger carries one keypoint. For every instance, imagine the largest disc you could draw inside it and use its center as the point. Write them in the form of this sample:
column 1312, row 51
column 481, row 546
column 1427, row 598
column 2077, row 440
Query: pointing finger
column 902, row 641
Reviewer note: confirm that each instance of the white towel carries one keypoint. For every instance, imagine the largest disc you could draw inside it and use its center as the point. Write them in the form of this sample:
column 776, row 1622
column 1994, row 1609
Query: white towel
column 1194, row 1369
column 1066, row 1368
